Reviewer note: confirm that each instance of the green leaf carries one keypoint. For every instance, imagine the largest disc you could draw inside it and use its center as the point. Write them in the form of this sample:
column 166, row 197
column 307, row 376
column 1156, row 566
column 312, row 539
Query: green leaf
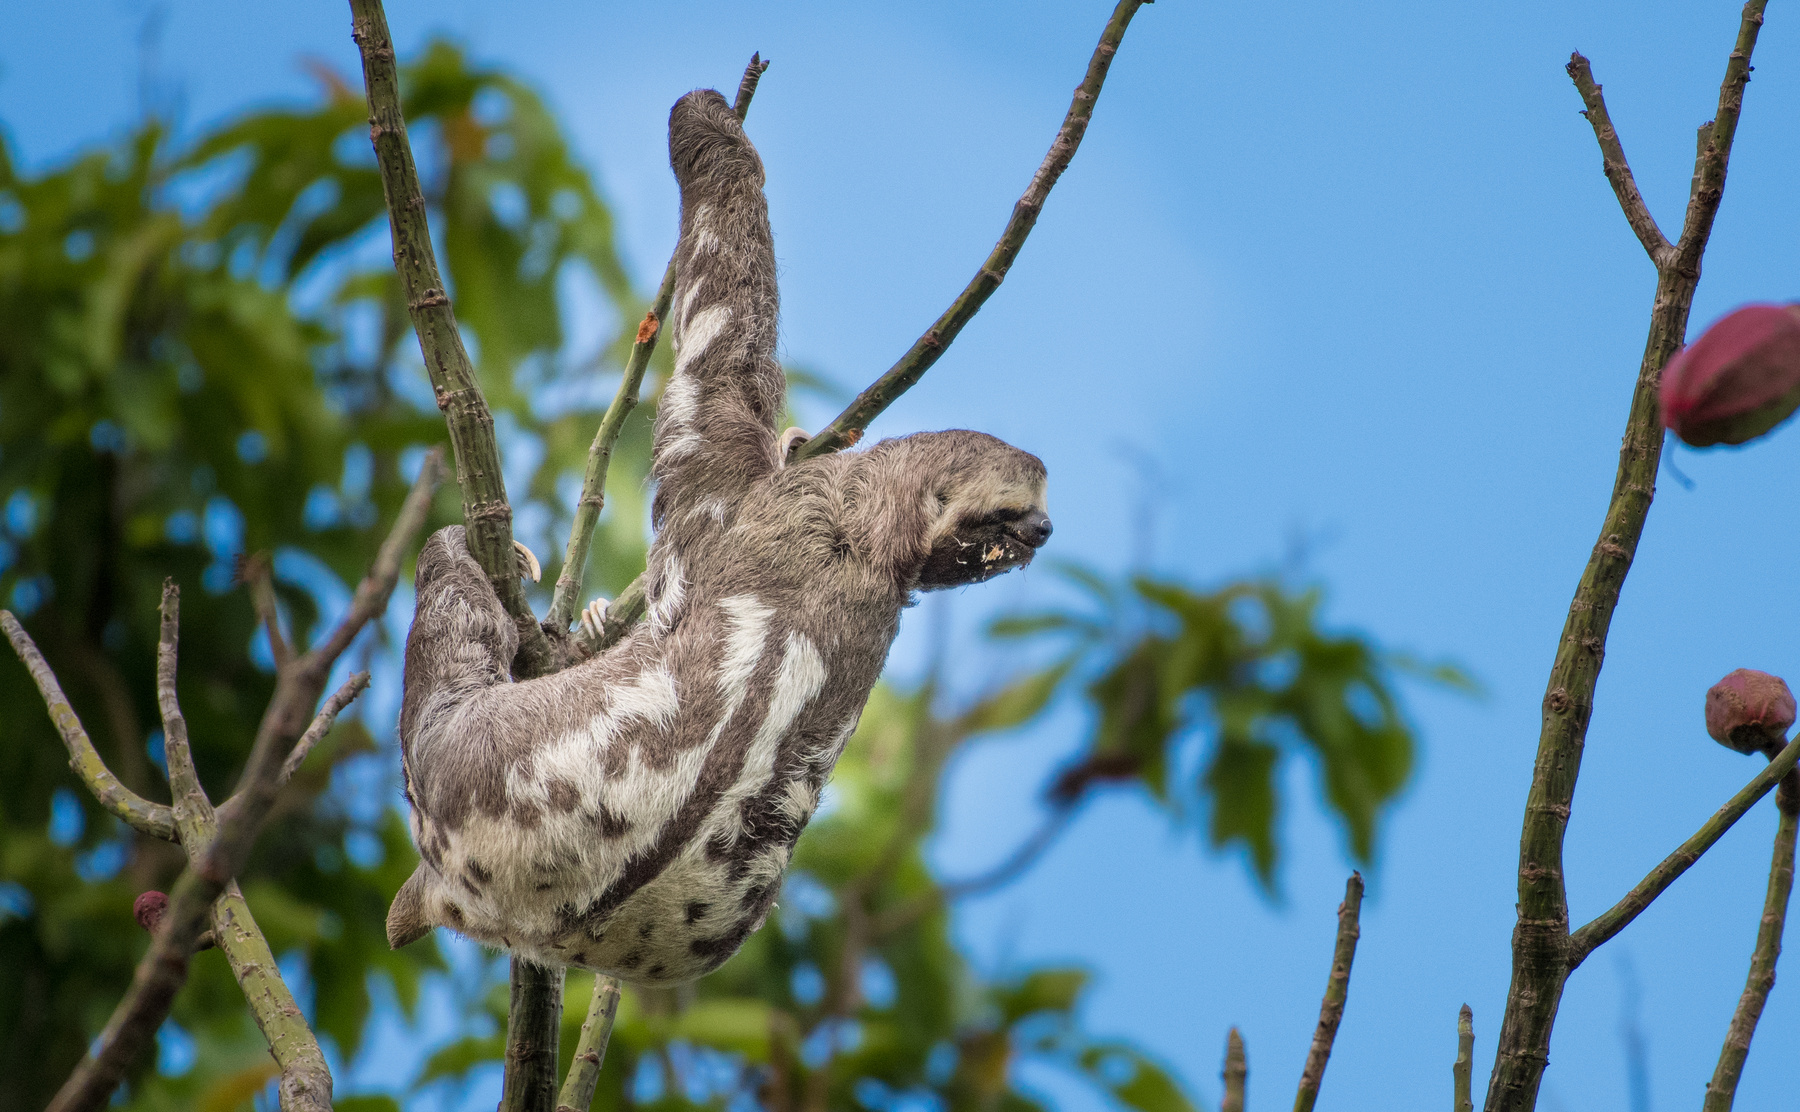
column 1241, row 782
column 1133, row 1079
column 1043, row 990
column 1015, row 704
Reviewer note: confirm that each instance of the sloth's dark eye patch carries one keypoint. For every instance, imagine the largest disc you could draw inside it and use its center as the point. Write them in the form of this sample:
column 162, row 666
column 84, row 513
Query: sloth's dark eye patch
column 996, row 517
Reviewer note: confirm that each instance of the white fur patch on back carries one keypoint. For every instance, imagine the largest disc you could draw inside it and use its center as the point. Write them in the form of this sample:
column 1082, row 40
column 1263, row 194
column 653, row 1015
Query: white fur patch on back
column 678, row 401
column 699, row 333
column 798, row 681
column 749, row 621
column 667, row 604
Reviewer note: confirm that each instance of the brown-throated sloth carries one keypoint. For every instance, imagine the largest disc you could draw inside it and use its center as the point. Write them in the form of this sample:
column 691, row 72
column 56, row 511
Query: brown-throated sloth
column 633, row 813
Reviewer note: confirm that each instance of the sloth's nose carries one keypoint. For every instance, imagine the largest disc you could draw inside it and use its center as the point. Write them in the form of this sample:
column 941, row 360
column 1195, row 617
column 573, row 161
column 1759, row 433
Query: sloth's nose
column 1034, row 528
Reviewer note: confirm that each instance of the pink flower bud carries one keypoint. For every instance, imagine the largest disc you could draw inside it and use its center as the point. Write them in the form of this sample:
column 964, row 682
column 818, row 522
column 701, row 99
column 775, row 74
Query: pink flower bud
column 1740, row 379
column 149, row 908
column 1750, row 711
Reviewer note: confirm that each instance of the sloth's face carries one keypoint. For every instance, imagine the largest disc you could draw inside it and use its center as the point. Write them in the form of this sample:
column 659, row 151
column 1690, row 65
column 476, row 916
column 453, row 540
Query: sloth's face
column 988, row 522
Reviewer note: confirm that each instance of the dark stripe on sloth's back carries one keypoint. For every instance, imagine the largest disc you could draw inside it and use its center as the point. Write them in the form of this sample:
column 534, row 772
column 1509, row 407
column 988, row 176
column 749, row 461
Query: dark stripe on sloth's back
column 723, row 767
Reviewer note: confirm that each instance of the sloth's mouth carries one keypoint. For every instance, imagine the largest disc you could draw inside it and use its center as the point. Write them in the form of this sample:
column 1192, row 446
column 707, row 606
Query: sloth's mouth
column 985, row 548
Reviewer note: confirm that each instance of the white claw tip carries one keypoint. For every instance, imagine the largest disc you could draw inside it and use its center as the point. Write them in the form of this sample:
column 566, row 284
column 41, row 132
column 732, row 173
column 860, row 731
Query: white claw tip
column 531, row 562
column 792, row 439
column 593, row 618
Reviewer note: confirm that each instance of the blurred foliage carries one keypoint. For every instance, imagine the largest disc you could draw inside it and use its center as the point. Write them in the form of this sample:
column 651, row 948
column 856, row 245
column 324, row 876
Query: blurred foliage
column 1247, row 670
column 204, row 354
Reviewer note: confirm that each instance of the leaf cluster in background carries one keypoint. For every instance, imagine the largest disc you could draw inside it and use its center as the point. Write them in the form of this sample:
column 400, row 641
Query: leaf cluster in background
column 1248, row 673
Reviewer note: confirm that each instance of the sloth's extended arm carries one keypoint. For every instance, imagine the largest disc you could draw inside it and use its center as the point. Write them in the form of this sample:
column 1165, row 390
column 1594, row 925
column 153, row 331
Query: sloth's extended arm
column 715, row 427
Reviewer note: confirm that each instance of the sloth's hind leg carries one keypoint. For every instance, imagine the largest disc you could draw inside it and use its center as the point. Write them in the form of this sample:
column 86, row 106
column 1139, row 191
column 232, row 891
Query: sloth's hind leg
column 462, row 642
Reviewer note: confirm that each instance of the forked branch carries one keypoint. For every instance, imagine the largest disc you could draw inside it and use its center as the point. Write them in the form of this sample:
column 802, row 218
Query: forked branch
column 1542, row 950
column 154, row 819
column 1613, row 163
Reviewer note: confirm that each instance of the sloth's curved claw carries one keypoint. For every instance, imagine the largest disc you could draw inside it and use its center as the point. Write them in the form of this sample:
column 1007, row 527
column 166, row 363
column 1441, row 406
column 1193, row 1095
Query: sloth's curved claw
column 790, row 440
column 529, row 561
column 593, row 619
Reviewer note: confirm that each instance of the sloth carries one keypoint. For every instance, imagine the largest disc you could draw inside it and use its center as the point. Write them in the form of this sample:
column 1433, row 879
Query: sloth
column 633, row 814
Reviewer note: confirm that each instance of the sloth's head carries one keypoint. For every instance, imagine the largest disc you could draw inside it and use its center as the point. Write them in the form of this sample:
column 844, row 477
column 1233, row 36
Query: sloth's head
column 984, row 505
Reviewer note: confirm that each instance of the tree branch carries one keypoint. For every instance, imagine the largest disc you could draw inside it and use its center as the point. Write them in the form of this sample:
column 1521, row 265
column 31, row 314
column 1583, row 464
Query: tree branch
column 1722, row 1089
column 1613, row 163
column 849, row 426
column 593, row 483
column 154, row 819
column 1237, row 1073
column 1541, row 950
column 1337, row 990
column 1591, row 937
column 590, row 1050
column 533, row 1032
column 486, row 512
column 1462, row 1070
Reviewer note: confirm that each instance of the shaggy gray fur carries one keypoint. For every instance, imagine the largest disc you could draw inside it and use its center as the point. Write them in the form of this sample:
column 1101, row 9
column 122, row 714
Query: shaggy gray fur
column 633, row 814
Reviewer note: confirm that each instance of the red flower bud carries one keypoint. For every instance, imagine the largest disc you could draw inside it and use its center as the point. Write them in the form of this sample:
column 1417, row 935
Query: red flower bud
column 1750, row 711
column 1740, row 379
column 149, row 908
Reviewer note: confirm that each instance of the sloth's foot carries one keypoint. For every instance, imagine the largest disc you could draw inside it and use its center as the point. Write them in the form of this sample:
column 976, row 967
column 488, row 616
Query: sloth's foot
column 593, row 619
column 529, row 561
column 790, row 440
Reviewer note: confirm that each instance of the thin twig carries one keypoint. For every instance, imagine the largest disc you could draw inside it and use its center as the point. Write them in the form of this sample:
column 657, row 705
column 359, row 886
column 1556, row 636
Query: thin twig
column 1589, row 938
column 193, row 811
column 593, row 483
column 590, row 1050
column 1016, row 863
column 487, row 515
column 377, row 586
column 629, row 606
column 1722, row 1089
column 1542, row 953
column 1613, row 163
column 1237, row 1073
column 1337, row 990
column 1462, row 1070
column 154, row 819
column 848, row 428
column 258, row 575
column 321, row 726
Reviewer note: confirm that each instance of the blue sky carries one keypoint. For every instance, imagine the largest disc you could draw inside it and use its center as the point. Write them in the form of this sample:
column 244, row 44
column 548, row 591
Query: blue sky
column 1338, row 278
